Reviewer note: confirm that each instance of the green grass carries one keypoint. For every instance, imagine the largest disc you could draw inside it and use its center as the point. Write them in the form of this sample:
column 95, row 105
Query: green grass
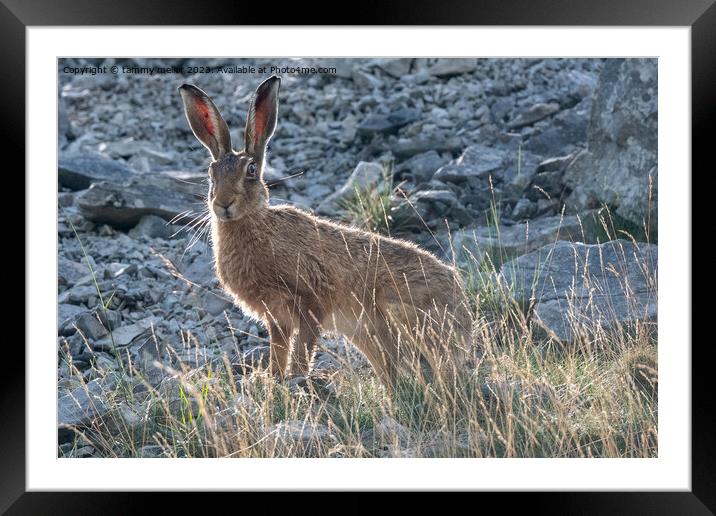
column 370, row 208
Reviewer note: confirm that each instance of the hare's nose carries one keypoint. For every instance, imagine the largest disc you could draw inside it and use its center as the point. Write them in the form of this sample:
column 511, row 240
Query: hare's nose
column 222, row 210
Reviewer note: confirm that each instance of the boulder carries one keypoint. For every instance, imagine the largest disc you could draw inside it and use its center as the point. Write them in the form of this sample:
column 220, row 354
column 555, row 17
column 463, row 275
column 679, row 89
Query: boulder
column 123, row 206
column 78, row 171
column 471, row 246
column 577, row 289
column 619, row 166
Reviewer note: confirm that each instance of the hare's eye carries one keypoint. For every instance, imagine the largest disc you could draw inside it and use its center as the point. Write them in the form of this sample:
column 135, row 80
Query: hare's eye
column 251, row 170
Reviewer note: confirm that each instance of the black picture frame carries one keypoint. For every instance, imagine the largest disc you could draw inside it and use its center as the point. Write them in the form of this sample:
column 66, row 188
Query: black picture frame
column 17, row 15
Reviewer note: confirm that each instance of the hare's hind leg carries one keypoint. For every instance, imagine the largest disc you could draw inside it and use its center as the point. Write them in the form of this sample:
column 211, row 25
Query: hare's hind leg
column 308, row 333
column 375, row 339
column 280, row 340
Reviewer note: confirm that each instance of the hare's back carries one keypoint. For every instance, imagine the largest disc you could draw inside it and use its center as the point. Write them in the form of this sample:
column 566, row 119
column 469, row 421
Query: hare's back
column 341, row 249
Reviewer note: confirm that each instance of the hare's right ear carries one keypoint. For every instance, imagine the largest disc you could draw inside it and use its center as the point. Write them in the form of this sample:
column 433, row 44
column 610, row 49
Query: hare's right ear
column 206, row 122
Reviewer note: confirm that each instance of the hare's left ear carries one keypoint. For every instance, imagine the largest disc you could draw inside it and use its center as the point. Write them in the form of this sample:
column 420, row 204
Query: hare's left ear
column 206, row 122
column 261, row 119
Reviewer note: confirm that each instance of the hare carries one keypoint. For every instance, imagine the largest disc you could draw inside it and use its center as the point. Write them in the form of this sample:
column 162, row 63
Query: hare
column 302, row 275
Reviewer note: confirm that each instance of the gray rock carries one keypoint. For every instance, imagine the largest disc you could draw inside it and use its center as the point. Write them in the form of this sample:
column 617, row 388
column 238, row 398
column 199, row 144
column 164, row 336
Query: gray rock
column 89, row 324
column 501, row 108
column 558, row 164
column 65, row 199
column 82, row 406
column 395, row 67
column 430, row 207
column 578, row 289
column 344, row 67
column 349, row 128
column 446, row 67
column 127, row 418
column 152, row 226
column 471, row 246
column 305, row 435
column 410, row 215
column 151, row 451
column 325, row 362
column 386, row 124
column 535, row 113
column 366, row 176
column 565, row 130
column 124, row 148
column 199, row 270
column 523, row 209
column 620, row 163
column 81, row 452
column 420, row 167
column 365, row 80
column 70, row 272
column 420, row 77
column 64, row 129
column 66, row 314
column 432, row 197
column 78, row 171
column 117, row 270
column 78, row 294
column 216, row 304
column 547, row 184
column 519, row 171
column 477, row 161
column 389, row 431
column 406, row 147
column 123, row 206
column 122, row 336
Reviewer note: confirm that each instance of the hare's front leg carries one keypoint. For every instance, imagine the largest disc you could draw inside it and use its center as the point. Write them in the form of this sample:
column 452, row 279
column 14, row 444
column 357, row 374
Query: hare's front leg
column 280, row 341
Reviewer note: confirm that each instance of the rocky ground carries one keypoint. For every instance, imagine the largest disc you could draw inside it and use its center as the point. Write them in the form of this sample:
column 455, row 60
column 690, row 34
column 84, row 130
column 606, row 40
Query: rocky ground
column 479, row 157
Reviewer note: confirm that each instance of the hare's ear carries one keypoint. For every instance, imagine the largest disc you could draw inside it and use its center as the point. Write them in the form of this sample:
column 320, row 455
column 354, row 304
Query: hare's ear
column 261, row 120
column 206, row 122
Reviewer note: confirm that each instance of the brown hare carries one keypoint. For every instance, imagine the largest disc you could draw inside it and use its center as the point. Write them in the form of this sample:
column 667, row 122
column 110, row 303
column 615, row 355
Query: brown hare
column 302, row 274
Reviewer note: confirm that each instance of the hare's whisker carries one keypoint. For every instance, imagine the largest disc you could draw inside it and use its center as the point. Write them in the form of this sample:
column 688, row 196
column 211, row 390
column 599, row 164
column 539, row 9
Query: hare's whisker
column 178, row 216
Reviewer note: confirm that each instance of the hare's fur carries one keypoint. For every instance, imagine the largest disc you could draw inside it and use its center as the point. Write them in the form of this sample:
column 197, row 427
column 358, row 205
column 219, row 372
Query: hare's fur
column 301, row 274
